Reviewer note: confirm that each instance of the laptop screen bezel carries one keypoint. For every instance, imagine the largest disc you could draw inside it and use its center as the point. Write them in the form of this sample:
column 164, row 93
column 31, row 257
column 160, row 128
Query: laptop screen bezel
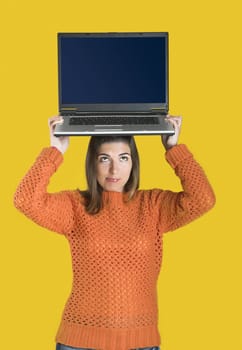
column 112, row 107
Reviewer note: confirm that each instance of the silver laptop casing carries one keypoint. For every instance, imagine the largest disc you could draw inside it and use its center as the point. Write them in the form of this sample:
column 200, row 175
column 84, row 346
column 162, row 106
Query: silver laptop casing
column 159, row 110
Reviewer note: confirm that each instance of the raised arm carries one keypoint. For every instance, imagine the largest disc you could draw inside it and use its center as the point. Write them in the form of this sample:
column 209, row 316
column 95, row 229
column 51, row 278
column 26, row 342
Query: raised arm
column 62, row 142
column 53, row 211
column 197, row 196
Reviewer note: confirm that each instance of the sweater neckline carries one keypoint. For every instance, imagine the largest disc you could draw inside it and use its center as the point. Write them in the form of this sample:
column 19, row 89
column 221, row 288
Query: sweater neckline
column 114, row 198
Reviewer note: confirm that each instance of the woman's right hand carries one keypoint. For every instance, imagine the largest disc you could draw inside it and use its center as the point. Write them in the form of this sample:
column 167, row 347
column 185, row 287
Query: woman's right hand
column 61, row 142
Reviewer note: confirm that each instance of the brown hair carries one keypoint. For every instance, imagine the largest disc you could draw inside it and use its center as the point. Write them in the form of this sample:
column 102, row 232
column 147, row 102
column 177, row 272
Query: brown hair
column 93, row 194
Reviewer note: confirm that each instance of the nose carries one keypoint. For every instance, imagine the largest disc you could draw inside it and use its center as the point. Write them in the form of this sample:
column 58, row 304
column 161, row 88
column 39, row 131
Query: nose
column 113, row 167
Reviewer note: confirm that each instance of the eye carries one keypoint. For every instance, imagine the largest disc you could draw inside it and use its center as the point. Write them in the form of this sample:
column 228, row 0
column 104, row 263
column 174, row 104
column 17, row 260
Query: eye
column 124, row 158
column 103, row 159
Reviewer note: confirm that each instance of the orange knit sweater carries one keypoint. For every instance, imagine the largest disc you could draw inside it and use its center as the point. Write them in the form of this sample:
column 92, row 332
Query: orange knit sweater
column 117, row 253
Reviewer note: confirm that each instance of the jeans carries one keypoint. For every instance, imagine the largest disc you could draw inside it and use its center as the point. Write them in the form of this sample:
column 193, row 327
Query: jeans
column 65, row 347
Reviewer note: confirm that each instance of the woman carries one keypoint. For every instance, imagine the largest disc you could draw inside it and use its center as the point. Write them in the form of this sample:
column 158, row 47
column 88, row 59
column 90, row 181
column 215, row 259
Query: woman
column 115, row 234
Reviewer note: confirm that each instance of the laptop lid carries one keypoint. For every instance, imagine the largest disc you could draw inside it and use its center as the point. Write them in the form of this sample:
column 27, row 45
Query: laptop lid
column 108, row 72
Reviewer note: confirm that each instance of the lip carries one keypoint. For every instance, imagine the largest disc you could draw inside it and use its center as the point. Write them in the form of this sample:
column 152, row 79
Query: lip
column 111, row 179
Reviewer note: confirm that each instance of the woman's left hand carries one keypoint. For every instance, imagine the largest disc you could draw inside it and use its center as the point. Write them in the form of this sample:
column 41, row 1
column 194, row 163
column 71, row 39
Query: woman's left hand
column 171, row 140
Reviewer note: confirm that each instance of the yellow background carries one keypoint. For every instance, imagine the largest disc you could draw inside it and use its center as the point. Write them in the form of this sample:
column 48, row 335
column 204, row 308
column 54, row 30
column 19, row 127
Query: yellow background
column 199, row 286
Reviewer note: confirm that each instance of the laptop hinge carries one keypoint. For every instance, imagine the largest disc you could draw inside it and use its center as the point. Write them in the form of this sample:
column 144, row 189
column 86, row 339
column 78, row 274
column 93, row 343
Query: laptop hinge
column 158, row 110
column 67, row 111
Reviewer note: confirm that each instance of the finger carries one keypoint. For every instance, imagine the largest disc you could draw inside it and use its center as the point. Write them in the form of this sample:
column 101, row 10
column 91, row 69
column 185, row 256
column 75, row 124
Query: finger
column 177, row 118
column 53, row 123
column 176, row 121
column 57, row 122
column 172, row 117
column 54, row 119
column 172, row 120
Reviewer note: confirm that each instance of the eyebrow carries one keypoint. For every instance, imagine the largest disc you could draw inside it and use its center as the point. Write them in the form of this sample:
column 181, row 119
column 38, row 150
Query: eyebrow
column 125, row 153
column 121, row 154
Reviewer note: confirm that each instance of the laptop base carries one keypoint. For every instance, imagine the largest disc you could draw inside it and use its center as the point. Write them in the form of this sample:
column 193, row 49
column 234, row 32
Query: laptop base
column 161, row 127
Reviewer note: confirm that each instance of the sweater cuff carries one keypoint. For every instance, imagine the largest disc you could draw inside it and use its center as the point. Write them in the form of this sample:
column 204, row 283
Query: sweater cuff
column 53, row 155
column 177, row 154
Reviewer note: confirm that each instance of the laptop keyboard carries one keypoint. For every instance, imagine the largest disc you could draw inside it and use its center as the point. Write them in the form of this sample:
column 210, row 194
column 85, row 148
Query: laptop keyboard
column 113, row 120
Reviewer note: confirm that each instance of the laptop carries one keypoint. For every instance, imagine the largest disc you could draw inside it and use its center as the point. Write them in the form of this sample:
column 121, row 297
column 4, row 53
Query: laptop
column 113, row 84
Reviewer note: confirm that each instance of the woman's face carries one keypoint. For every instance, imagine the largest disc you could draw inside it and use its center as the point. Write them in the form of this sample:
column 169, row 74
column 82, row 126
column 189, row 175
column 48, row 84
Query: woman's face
column 114, row 165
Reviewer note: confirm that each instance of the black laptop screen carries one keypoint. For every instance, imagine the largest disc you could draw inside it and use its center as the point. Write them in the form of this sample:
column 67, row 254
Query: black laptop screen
column 112, row 70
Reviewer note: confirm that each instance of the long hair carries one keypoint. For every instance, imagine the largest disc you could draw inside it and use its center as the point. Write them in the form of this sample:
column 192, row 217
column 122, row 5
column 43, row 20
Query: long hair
column 93, row 194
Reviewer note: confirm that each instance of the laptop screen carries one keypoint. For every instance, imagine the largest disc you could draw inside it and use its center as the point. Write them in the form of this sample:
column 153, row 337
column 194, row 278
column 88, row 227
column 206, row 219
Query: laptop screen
column 112, row 69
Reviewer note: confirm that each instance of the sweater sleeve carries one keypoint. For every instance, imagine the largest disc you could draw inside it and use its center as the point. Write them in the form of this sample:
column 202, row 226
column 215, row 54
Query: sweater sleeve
column 176, row 209
column 52, row 211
